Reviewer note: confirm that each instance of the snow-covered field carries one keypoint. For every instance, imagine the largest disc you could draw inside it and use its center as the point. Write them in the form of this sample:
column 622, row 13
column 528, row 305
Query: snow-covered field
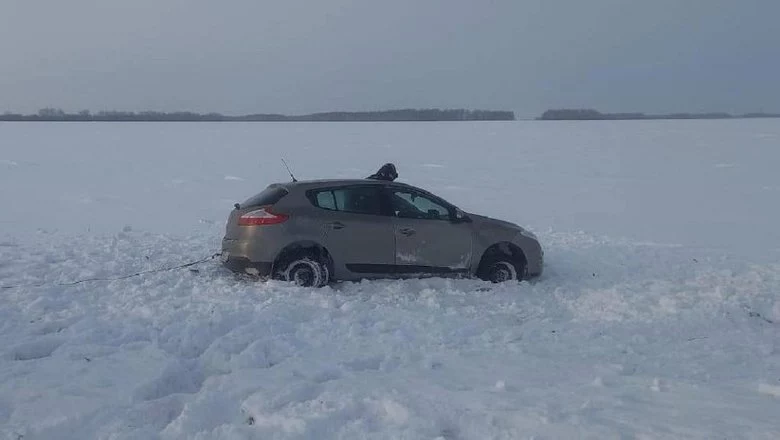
column 658, row 315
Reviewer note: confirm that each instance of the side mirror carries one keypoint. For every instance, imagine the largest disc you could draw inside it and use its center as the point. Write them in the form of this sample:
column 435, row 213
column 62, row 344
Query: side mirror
column 460, row 216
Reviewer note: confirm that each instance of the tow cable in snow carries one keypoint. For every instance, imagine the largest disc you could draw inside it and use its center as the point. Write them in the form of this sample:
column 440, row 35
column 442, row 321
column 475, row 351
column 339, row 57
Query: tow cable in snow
column 123, row 277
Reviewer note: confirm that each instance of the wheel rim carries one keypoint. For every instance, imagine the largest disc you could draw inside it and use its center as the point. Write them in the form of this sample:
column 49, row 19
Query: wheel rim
column 502, row 271
column 304, row 273
column 303, row 276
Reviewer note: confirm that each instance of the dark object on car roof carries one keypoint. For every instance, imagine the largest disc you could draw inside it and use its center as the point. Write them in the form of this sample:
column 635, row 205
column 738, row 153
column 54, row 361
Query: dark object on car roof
column 387, row 172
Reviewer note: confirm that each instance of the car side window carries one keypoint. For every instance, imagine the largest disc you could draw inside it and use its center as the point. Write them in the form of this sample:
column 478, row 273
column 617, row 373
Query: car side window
column 325, row 200
column 410, row 204
column 354, row 199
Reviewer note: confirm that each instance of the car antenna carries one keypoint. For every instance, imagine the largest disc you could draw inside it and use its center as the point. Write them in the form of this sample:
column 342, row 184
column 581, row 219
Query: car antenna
column 288, row 170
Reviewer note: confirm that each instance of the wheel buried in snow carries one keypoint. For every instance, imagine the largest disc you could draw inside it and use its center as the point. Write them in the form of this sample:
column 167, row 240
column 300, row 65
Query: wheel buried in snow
column 502, row 270
column 306, row 272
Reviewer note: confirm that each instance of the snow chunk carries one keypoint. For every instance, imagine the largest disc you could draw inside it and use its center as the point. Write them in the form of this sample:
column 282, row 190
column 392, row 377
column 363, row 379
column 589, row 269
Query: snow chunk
column 41, row 348
column 771, row 390
column 392, row 411
column 288, row 425
column 776, row 312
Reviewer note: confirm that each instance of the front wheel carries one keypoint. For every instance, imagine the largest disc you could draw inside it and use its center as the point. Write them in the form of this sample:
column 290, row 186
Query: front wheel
column 502, row 269
column 306, row 272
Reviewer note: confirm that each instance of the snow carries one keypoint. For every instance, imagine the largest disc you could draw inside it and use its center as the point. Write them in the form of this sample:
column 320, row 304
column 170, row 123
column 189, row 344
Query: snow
column 657, row 315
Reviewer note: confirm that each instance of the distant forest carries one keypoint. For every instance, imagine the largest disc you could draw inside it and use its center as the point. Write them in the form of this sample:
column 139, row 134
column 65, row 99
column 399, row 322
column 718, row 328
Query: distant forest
column 593, row 115
column 50, row 114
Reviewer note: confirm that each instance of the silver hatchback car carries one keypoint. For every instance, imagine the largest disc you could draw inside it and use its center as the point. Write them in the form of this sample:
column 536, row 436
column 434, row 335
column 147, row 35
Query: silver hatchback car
column 315, row 232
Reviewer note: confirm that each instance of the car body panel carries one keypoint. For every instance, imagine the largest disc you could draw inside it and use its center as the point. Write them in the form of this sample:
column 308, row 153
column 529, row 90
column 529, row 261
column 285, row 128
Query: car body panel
column 372, row 246
column 358, row 239
column 440, row 245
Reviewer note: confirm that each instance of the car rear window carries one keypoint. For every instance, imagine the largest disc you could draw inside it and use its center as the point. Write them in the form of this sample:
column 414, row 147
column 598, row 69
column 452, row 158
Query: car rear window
column 269, row 196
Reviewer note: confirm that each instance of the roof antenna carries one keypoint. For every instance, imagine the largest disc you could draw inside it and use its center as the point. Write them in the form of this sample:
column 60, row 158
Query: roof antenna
column 288, row 170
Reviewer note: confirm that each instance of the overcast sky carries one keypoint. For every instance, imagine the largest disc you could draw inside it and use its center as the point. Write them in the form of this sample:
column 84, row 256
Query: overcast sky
column 293, row 56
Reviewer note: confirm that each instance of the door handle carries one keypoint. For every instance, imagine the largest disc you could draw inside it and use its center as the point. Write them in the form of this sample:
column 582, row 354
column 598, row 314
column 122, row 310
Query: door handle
column 336, row 225
column 407, row 231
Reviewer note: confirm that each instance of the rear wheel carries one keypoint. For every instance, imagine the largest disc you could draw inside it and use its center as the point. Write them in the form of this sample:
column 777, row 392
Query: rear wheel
column 305, row 271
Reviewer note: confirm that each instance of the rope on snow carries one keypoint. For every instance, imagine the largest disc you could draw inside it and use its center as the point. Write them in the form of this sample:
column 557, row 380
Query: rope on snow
column 123, row 277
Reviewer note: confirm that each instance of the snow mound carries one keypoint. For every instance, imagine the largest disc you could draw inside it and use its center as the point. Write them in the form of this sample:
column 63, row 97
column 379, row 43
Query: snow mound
column 606, row 343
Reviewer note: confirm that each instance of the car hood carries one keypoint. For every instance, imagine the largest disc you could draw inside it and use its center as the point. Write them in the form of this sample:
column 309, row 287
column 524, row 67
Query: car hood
column 495, row 222
column 488, row 223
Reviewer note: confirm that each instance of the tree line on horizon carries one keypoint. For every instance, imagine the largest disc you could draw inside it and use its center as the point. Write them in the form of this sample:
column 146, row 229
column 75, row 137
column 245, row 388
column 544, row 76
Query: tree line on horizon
column 435, row 114
column 594, row 115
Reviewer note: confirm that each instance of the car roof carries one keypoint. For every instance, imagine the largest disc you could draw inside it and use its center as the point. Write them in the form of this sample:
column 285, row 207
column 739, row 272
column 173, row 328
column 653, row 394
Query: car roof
column 306, row 185
column 323, row 183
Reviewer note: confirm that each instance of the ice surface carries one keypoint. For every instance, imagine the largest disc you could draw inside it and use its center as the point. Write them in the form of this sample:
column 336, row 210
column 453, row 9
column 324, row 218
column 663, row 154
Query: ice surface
column 658, row 315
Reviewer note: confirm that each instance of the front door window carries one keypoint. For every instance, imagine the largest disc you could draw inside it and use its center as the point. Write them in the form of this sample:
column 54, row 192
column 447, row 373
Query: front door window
column 410, row 204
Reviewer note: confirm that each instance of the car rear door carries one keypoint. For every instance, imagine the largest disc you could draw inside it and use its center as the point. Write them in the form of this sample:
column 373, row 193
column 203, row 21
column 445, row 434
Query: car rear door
column 427, row 240
column 358, row 230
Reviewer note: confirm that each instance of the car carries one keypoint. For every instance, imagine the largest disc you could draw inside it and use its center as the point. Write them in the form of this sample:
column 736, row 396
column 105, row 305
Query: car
column 319, row 231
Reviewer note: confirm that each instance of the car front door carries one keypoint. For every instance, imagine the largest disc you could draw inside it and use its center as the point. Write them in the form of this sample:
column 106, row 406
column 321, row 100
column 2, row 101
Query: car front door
column 427, row 240
column 358, row 230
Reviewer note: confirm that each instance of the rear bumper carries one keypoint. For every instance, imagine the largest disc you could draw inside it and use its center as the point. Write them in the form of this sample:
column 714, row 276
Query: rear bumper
column 236, row 257
column 244, row 265
column 253, row 250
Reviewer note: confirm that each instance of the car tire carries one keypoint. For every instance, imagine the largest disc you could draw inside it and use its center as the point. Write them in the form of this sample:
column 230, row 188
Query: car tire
column 306, row 272
column 500, row 269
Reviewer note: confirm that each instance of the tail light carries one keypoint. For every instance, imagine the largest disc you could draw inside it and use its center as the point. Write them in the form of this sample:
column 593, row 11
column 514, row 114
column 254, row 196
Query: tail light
column 262, row 216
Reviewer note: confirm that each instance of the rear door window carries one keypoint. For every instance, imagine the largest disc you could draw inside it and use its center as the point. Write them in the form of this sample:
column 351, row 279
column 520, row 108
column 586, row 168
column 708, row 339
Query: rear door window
column 353, row 199
column 326, row 200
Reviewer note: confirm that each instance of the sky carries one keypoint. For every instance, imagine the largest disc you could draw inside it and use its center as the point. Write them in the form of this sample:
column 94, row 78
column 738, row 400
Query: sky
column 295, row 57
